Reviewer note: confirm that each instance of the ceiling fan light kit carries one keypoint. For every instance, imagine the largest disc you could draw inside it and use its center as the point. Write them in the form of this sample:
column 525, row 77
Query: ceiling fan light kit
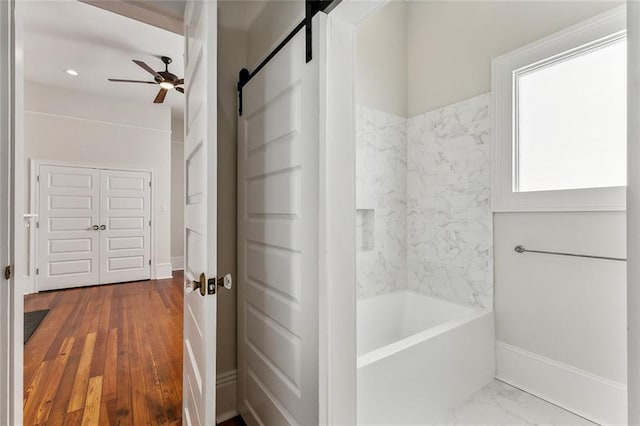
column 165, row 79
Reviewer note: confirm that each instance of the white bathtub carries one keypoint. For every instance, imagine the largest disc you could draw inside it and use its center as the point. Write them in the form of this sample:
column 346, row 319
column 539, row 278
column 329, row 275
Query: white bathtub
column 419, row 356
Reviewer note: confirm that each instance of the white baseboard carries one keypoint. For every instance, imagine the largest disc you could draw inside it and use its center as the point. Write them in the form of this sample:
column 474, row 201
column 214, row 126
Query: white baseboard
column 163, row 271
column 594, row 397
column 226, row 386
column 177, row 263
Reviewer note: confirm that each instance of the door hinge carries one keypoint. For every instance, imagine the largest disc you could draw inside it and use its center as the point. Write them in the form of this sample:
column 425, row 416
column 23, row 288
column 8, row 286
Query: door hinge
column 149, row 223
column 149, row 184
column 38, row 178
column 149, row 262
column 38, row 224
column 7, row 273
column 37, row 271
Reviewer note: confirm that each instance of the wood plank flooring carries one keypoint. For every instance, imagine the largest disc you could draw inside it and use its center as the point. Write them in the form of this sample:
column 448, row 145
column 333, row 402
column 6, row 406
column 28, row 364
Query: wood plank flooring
column 106, row 355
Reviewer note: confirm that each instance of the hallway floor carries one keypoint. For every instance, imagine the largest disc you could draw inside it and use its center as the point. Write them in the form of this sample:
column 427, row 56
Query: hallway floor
column 499, row 404
column 107, row 355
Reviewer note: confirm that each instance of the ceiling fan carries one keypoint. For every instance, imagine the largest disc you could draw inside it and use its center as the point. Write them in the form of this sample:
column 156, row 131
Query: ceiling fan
column 165, row 79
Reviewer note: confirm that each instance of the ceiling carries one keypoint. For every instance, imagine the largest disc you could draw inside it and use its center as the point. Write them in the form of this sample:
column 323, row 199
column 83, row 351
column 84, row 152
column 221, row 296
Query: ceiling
column 98, row 44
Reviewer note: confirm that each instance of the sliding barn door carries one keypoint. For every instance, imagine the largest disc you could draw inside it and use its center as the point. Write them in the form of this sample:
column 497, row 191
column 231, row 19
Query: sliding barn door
column 199, row 383
column 278, row 163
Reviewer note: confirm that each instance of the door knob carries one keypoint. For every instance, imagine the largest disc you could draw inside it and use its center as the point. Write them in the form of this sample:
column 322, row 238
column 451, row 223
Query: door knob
column 208, row 286
column 95, row 227
column 226, row 281
column 103, row 227
column 201, row 284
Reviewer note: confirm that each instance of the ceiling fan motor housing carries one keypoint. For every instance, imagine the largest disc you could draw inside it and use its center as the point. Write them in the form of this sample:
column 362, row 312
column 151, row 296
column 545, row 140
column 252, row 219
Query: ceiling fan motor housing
column 167, row 76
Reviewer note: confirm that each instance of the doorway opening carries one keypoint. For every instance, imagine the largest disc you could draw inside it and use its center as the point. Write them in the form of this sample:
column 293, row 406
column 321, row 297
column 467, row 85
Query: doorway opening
column 104, row 217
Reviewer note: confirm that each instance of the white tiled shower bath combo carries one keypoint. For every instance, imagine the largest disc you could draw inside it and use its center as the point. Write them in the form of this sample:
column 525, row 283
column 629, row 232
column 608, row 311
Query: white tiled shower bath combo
column 424, row 261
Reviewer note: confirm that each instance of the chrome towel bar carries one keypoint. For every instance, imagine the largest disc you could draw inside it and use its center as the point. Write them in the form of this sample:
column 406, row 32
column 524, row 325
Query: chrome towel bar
column 522, row 249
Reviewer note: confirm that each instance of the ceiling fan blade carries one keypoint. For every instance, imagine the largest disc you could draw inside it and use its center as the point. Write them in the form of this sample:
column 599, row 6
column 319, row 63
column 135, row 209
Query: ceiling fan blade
column 117, row 80
column 179, row 82
column 148, row 69
column 160, row 97
column 180, row 89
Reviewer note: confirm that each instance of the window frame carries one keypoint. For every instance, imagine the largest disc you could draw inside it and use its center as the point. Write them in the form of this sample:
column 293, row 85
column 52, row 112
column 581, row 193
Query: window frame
column 575, row 40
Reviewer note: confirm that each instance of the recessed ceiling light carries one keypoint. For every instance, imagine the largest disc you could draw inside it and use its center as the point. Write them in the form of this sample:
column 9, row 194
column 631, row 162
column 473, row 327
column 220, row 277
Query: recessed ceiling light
column 72, row 72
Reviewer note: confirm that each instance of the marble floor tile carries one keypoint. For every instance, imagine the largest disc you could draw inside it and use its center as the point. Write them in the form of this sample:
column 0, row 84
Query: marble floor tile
column 501, row 404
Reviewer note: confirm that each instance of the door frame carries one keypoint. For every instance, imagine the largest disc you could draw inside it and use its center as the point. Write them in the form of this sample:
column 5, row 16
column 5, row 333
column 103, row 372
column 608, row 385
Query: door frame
column 12, row 168
column 633, row 212
column 337, row 302
column 31, row 281
column 11, row 229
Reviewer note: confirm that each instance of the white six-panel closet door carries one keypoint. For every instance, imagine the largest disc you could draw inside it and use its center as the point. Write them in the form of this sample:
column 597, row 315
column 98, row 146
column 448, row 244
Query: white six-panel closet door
column 69, row 206
column 125, row 220
column 94, row 227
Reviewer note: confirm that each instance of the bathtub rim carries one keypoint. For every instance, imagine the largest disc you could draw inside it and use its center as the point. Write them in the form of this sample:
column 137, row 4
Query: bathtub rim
column 406, row 342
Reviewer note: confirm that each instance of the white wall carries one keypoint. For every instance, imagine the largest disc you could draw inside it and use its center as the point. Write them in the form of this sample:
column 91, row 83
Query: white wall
column 571, row 310
column 78, row 127
column 381, row 63
column 177, row 205
column 451, row 43
column 232, row 50
column 270, row 27
column 177, row 190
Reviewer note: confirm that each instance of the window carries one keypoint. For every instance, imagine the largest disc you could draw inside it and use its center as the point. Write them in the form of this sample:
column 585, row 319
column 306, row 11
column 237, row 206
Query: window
column 571, row 121
column 560, row 120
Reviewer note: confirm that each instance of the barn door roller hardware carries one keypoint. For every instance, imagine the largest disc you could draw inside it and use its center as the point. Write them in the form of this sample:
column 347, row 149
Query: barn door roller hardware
column 312, row 7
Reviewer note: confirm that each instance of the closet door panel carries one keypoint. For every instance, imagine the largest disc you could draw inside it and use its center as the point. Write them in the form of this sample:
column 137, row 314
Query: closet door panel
column 125, row 235
column 68, row 248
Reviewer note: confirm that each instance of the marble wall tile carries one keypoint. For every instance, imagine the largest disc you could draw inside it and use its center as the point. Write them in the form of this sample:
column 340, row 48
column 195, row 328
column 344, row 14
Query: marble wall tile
column 449, row 225
column 381, row 200
column 423, row 186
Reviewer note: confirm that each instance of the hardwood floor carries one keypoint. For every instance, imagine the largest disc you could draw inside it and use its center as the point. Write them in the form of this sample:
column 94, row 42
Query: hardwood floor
column 106, row 355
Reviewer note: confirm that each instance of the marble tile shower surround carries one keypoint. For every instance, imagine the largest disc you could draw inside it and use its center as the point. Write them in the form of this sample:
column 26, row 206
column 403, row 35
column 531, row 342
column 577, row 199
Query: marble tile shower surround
column 445, row 211
column 449, row 226
column 381, row 196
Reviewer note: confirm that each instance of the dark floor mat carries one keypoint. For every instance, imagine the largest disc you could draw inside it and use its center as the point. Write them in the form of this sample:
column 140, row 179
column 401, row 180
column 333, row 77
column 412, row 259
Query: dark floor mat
column 31, row 321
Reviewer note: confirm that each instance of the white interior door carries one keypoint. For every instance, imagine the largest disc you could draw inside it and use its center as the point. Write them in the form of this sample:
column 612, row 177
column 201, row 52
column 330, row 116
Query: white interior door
column 125, row 226
column 68, row 230
column 199, row 382
column 278, row 259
